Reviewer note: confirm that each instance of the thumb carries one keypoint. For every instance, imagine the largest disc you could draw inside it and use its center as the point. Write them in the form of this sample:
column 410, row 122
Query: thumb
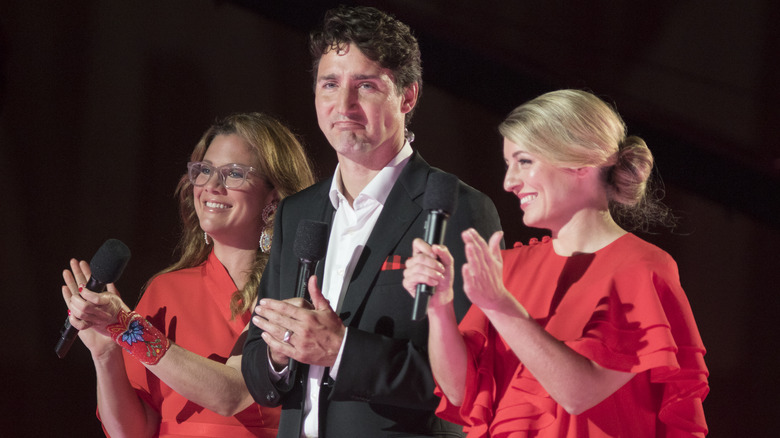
column 495, row 244
column 315, row 293
column 111, row 288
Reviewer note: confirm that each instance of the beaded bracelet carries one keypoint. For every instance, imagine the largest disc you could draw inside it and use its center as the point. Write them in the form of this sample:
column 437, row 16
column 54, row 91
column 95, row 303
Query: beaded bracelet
column 139, row 337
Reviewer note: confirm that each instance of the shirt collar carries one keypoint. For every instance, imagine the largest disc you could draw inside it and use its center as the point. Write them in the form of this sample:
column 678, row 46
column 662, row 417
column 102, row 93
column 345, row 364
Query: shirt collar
column 380, row 186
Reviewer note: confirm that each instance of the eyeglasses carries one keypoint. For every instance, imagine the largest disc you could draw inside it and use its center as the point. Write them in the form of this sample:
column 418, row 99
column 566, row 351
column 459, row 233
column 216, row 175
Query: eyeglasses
column 232, row 176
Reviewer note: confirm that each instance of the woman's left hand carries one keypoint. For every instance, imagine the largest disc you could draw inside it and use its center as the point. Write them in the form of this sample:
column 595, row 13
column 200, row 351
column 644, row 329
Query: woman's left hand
column 89, row 309
column 483, row 271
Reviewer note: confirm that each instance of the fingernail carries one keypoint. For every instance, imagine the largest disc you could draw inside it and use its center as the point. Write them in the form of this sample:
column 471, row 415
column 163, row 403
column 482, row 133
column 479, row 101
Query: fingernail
column 81, row 287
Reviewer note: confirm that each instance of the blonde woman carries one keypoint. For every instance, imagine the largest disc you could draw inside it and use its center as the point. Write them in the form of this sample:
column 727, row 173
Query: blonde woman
column 586, row 333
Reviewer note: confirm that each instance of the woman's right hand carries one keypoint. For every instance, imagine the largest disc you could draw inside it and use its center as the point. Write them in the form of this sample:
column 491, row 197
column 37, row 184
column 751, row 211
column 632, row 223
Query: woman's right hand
column 91, row 312
column 431, row 265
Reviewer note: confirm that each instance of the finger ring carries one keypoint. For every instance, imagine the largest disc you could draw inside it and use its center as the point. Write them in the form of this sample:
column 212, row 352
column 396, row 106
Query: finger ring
column 287, row 335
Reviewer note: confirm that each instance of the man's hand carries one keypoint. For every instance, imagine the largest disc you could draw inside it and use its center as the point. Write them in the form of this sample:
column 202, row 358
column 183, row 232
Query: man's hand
column 316, row 331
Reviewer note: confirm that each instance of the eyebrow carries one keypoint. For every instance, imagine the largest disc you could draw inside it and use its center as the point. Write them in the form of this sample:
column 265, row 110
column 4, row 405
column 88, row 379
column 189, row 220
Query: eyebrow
column 358, row 77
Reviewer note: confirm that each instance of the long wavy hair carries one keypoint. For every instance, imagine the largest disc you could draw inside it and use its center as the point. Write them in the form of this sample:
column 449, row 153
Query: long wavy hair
column 279, row 158
column 574, row 128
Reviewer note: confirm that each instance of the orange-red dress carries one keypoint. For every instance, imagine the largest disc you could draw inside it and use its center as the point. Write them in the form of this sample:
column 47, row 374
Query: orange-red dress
column 192, row 308
column 623, row 307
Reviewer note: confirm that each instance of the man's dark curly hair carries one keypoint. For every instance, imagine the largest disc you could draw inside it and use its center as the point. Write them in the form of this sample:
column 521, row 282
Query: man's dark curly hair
column 378, row 35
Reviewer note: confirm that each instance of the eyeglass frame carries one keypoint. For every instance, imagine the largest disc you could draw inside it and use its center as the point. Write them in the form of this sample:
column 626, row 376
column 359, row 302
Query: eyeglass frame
column 220, row 171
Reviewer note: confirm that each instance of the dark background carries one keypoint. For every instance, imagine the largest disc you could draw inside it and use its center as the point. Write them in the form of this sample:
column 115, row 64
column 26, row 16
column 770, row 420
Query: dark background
column 102, row 101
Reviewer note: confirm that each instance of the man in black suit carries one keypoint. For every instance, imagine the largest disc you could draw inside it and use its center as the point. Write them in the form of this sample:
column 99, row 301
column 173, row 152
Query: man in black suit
column 364, row 369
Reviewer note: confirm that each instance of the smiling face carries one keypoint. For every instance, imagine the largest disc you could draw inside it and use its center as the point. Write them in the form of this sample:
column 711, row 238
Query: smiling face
column 232, row 216
column 358, row 107
column 549, row 196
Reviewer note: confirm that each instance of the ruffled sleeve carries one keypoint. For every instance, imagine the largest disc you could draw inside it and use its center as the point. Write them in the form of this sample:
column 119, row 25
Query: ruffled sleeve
column 476, row 412
column 645, row 324
column 484, row 411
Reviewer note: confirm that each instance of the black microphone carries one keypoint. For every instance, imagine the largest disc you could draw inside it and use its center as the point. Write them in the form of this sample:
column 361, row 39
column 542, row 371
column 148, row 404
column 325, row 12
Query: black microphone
column 310, row 246
column 106, row 265
column 441, row 199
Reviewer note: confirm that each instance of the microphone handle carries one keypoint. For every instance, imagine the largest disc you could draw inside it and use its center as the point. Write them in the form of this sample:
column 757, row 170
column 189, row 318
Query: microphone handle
column 305, row 268
column 68, row 333
column 304, row 272
column 435, row 227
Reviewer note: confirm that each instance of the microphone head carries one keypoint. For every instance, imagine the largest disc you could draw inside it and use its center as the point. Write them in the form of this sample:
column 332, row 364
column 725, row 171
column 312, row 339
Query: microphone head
column 109, row 261
column 311, row 240
column 441, row 192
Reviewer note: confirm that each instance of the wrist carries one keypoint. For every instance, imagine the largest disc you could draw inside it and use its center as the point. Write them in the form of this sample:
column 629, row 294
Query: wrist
column 106, row 353
column 442, row 312
column 139, row 337
column 507, row 305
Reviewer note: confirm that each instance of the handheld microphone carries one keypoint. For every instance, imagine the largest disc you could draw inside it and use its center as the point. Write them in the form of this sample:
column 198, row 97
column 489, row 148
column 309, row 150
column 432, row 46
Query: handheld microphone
column 441, row 199
column 106, row 265
column 310, row 246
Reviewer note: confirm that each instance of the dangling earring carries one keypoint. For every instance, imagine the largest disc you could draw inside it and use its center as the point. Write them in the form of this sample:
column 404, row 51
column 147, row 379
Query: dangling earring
column 409, row 135
column 268, row 231
column 206, row 237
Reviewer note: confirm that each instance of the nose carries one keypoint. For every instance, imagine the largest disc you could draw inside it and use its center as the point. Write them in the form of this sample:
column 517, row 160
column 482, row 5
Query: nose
column 512, row 180
column 346, row 99
column 216, row 182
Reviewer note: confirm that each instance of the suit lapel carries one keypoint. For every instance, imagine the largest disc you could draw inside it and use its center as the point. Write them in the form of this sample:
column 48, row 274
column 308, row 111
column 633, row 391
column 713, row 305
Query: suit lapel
column 401, row 209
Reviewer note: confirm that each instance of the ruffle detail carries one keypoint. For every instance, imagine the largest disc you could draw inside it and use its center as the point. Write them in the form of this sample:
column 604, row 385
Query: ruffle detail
column 476, row 412
column 681, row 371
column 527, row 407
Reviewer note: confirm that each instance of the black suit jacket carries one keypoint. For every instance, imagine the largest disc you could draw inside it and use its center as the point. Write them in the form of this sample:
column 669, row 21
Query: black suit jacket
column 385, row 385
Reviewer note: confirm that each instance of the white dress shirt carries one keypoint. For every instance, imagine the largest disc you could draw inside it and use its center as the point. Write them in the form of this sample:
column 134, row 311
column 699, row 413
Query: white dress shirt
column 352, row 225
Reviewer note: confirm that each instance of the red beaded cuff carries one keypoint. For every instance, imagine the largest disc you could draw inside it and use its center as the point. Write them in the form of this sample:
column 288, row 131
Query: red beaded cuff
column 139, row 337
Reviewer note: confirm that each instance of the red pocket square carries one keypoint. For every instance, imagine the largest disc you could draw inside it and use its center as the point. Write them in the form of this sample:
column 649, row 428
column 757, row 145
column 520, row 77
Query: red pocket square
column 393, row 262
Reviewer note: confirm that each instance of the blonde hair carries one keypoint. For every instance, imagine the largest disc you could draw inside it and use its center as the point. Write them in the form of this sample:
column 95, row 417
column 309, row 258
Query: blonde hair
column 279, row 158
column 574, row 128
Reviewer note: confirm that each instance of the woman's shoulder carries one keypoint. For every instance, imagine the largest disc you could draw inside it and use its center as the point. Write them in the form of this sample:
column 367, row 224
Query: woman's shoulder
column 631, row 249
column 180, row 274
column 169, row 282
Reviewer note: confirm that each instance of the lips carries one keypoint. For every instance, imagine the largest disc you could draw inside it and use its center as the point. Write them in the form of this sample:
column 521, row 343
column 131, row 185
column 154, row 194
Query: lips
column 347, row 125
column 217, row 205
column 527, row 198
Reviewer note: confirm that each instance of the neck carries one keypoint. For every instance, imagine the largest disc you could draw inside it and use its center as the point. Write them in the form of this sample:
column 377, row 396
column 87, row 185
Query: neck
column 237, row 261
column 354, row 179
column 586, row 232
column 357, row 172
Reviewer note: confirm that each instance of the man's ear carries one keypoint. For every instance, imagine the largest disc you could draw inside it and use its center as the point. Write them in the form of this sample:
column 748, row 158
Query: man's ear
column 410, row 97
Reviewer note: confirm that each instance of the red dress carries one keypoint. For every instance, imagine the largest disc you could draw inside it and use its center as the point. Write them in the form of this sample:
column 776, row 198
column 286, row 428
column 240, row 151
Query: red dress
column 622, row 307
column 192, row 308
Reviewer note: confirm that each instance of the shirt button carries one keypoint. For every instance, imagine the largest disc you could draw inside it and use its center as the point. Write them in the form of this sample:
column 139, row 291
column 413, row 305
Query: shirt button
column 340, row 272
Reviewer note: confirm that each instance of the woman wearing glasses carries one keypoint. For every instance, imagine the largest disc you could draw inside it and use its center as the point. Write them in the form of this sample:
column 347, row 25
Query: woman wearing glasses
column 179, row 373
